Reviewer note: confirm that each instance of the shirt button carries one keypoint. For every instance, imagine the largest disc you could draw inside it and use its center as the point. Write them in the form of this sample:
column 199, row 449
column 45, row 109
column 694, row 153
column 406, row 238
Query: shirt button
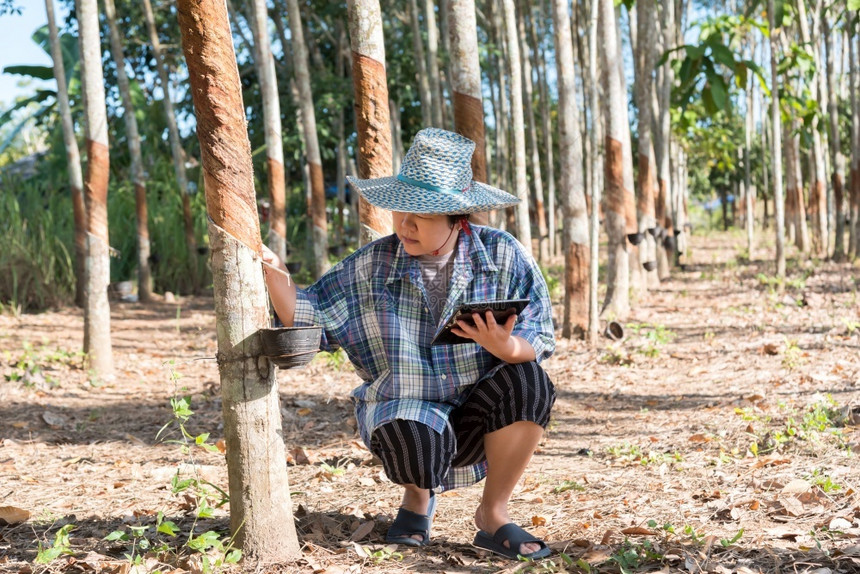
column 444, row 377
column 426, row 309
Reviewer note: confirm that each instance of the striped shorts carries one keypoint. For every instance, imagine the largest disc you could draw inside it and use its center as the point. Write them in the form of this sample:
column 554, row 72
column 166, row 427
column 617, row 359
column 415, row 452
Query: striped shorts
column 414, row 453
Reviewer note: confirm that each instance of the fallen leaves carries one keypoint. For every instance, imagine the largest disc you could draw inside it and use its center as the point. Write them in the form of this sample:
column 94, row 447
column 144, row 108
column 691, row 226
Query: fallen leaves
column 13, row 515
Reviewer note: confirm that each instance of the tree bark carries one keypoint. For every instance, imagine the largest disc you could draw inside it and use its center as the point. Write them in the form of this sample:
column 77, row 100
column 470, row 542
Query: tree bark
column 523, row 223
column 273, row 137
column 176, row 150
column 594, row 224
column 837, row 160
column 528, row 110
column 749, row 189
column 546, row 129
column 433, row 63
column 576, row 240
column 645, row 59
column 617, row 301
column 662, row 140
column 261, row 514
column 776, row 143
column 371, row 109
column 73, row 158
column 466, row 86
column 97, row 340
column 144, row 275
column 319, row 224
column 425, row 94
column 817, row 186
column 852, row 172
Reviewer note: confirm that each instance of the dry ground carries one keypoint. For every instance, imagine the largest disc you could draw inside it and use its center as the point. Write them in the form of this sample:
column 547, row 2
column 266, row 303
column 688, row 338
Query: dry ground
column 718, row 436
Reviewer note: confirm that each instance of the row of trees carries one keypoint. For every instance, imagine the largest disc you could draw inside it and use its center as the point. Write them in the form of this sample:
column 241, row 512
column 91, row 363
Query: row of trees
column 553, row 135
column 486, row 70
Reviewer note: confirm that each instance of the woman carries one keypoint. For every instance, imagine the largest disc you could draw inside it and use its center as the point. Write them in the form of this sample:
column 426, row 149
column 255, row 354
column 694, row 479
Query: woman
column 438, row 416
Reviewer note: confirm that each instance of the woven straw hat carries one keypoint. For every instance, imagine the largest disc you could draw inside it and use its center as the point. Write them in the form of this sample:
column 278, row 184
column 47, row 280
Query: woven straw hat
column 435, row 178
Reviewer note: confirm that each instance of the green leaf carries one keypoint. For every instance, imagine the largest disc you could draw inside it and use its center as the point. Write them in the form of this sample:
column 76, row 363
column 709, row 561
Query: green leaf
column 205, row 541
column 695, row 52
column 719, row 91
column 708, row 101
column 854, row 4
column 722, row 54
column 38, row 72
column 233, row 557
column 116, row 535
column 779, row 12
column 168, row 527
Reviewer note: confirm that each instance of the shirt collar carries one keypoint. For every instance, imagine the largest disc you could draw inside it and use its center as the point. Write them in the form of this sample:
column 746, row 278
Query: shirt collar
column 471, row 253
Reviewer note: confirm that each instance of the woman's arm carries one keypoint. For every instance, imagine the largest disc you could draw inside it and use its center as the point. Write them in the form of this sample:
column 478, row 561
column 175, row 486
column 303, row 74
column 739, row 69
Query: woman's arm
column 282, row 289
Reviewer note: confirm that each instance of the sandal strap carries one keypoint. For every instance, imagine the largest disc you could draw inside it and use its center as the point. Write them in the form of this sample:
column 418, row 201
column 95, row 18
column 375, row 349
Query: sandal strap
column 515, row 536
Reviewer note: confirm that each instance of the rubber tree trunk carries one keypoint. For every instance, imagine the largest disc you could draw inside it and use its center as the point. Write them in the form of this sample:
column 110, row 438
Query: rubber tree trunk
column 617, row 301
column 749, row 188
column 594, row 224
column 521, row 190
column 319, row 224
column 575, row 225
column 776, row 144
column 261, row 514
column 175, row 144
column 837, row 160
column 817, row 185
column 503, row 116
column 794, row 187
column 528, row 110
column 144, row 275
column 425, row 94
column 97, row 340
column 371, row 109
column 73, row 158
column 264, row 63
column 538, row 31
column 855, row 141
column 433, row 63
column 466, row 86
column 647, row 32
column 662, row 141
column 635, row 276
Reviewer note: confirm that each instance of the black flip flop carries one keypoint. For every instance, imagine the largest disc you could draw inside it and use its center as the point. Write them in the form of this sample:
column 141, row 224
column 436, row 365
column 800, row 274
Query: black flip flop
column 409, row 523
column 515, row 537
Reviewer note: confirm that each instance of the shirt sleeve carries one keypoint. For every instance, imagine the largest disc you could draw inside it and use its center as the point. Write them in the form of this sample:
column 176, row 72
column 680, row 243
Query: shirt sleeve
column 535, row 322
column 326, row 304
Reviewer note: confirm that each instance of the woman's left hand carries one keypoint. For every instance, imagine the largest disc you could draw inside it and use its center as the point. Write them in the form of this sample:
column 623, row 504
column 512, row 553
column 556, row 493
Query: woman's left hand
column 485, row 331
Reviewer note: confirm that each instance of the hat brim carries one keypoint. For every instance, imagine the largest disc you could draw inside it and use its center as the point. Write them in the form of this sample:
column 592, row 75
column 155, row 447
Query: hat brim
column 395, row 195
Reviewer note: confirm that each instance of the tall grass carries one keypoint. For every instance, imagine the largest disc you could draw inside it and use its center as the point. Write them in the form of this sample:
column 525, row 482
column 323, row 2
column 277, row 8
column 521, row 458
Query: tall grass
column 36, row 243
column 37, row 238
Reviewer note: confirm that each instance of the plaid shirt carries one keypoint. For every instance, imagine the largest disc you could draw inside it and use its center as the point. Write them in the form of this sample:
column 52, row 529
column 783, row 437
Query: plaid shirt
column 373, row 304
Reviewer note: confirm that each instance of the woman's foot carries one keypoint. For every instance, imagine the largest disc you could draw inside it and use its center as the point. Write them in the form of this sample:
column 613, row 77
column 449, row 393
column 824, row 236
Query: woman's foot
column 491, row 519
column 416, row 500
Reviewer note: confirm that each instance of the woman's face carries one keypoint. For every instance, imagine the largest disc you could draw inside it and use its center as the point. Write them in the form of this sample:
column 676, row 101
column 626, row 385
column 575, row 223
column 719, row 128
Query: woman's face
column 423, row 234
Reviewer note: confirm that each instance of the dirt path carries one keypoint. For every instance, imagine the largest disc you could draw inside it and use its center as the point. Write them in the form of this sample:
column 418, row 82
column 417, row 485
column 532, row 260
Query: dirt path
column 718, row 436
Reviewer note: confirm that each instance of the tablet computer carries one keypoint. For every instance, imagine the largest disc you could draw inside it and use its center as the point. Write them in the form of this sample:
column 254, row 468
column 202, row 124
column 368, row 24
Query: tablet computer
column 502, row 309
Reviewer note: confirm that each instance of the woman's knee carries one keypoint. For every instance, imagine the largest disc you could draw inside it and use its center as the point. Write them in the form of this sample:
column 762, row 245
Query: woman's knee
column 528, row 392
column 413, row 453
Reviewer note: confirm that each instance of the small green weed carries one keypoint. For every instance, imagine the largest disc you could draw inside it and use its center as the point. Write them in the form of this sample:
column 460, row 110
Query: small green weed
column 336, row 360
column 655, row 337
column 850, row 325
column 568, row 485
column 61, row 545
column 631, row 555
column 823, row 481
column 792, row 356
